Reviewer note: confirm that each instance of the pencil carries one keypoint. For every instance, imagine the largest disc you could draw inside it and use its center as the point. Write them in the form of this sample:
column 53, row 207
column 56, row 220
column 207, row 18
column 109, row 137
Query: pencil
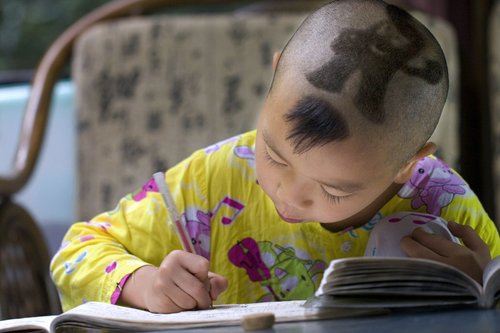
column 179, row 227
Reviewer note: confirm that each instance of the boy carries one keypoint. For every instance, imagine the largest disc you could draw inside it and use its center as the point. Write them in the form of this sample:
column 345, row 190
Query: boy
column 341, row 142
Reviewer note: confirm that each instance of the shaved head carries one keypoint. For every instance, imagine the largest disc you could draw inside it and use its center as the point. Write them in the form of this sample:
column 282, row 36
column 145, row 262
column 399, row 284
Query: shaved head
column 379, row 61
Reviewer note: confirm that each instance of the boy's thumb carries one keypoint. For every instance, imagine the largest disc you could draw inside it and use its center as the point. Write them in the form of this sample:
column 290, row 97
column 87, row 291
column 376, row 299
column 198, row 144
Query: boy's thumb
column 218, row 284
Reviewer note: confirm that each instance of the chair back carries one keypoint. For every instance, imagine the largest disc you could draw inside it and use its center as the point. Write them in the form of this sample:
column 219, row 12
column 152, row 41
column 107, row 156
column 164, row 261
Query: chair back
column 151, row 90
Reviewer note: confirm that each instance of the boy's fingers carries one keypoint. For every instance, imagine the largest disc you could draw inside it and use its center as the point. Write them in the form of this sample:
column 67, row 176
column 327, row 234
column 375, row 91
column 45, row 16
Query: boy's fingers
column 469, row 237
column 171, row 291
column 197, row 265
column 188, row 273
column 195, row 293
column 471, row 258
column 192, row 285
column 176, row 300
column 164, row 305
column 163, row 293
column 435, row 243
column 414, row 249
column 218, row 284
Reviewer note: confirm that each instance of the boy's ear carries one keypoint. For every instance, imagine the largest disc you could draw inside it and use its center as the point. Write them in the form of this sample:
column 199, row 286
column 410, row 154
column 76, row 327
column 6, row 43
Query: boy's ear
column 406, row 170
column 276, row 59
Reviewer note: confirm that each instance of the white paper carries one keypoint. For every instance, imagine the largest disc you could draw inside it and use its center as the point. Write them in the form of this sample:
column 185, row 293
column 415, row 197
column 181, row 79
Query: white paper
column 26, row 323
column 221, row 313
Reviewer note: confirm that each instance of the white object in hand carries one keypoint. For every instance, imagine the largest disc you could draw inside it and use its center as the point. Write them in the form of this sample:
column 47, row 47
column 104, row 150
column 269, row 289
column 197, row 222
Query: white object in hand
column 387, row 233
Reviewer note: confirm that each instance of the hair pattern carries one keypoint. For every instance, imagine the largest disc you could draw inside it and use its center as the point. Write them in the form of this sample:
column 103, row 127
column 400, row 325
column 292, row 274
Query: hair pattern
column 315, row 123
column 377, row 52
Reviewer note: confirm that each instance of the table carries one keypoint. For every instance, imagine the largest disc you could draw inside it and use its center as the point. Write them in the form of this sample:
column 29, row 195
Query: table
column 440, row 321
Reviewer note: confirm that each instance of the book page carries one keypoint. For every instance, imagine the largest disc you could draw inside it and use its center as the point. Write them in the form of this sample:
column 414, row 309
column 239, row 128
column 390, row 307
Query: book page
column 400, row 282
column 104, row 315
column 491, row 283
column 32, row 323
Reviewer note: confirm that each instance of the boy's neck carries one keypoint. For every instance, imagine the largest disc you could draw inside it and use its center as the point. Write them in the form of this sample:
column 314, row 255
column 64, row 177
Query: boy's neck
column 365, row 215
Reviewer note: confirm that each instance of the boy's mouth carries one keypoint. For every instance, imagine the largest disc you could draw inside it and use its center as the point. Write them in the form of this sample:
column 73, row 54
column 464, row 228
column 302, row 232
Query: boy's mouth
column 288, row 219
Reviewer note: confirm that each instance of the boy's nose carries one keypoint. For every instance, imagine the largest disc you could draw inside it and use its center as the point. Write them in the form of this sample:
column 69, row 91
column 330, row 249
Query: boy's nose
column 294, row 194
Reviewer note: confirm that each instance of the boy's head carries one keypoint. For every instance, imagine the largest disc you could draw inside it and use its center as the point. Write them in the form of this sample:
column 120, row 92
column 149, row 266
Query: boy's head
column 357, row 92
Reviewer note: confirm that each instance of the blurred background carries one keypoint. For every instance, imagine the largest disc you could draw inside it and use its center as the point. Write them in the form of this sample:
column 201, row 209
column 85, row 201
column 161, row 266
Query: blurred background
column 28, row 27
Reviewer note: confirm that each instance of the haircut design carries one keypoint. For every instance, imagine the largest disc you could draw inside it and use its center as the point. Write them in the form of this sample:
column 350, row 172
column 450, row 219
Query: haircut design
column 315, row 123
column 378, row 52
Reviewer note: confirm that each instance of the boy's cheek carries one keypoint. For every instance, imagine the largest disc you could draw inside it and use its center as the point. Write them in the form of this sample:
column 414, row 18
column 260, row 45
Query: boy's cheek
column 266, row 178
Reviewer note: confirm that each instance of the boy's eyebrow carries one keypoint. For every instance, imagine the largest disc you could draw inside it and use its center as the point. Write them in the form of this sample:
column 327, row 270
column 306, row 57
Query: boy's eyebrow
column 346, row 187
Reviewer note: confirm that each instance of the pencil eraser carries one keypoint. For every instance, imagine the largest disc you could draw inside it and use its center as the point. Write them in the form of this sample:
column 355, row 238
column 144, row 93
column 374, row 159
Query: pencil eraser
column 258, row 321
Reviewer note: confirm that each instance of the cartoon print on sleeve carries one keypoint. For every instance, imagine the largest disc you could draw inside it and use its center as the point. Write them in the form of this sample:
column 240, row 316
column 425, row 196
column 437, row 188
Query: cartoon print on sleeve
column 86, row 238
column 197, row 224
column 70, row 266
column 213, row 148
column 102, row 225
column 111, row 267
column 278, row 269
column 246, row 254
column 150, row 186
column 434, row 185
column 247, row 153
column 366, row 227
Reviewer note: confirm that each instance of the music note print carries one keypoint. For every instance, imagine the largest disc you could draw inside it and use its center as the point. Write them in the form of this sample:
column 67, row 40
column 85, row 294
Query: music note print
column 229, row 208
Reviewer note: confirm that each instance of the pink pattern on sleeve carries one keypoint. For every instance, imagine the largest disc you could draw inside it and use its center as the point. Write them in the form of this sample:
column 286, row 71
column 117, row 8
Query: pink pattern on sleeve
column 119, row 287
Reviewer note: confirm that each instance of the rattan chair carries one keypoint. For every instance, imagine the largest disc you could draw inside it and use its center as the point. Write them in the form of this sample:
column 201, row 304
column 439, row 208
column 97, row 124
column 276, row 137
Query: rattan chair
column 25, row 285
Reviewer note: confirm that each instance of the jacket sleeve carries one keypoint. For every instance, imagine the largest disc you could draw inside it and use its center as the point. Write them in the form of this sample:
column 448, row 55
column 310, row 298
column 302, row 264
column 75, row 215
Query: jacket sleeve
column 467, row 209
column 95, row 256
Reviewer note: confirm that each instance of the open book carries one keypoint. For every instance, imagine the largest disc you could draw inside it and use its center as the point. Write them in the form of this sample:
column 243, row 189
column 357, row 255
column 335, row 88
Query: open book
column 106, row 316
column 390, row 282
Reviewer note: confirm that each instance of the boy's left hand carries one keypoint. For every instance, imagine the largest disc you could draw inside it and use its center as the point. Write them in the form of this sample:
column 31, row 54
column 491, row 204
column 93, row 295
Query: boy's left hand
column 471, row 258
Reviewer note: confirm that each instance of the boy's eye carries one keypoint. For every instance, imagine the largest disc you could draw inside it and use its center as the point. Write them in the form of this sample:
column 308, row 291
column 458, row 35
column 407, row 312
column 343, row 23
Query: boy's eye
column 333, row 198
column 272, row 160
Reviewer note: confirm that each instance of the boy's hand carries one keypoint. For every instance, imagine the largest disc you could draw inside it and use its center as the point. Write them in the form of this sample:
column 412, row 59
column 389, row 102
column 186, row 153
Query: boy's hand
column 182, row 282
column 471, row 258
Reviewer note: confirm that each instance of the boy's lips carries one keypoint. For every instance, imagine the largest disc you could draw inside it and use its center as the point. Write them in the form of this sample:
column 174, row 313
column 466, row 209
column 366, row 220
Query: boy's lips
column 288, row 219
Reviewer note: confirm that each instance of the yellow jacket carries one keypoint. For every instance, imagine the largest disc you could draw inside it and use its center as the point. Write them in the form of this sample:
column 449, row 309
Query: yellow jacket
column 235, row 225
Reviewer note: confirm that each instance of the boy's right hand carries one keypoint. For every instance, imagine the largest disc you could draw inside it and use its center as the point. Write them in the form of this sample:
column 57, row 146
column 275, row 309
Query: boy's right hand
column 182, row 282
